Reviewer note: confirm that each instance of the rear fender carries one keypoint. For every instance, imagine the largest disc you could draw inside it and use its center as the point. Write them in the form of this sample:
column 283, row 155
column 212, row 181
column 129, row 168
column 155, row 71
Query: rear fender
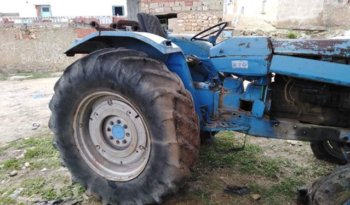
column 155, row 46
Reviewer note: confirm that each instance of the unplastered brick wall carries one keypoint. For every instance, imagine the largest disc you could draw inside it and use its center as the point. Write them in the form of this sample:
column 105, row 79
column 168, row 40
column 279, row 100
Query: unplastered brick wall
column 193, row 15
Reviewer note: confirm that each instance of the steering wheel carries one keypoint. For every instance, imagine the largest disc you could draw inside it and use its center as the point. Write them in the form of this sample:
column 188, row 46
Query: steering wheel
column 210, row 34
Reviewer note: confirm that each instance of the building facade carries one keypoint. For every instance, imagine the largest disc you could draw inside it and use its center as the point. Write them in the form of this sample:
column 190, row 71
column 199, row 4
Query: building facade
column 54, row 8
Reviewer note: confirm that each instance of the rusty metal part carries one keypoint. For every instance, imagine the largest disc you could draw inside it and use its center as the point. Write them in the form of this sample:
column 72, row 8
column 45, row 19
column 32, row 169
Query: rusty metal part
column 98, row 27
column 123, row 24
column 332, row 47
column 287, row 129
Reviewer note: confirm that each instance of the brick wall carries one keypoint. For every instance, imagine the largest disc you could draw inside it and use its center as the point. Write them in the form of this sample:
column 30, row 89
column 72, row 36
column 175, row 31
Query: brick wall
column 193, row 15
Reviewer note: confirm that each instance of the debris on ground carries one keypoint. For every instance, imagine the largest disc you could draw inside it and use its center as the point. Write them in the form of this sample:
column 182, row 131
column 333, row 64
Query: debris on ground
column 239, row 190
column 256, row 197
column 35, row 126
column 13, row 173
column 16, row 193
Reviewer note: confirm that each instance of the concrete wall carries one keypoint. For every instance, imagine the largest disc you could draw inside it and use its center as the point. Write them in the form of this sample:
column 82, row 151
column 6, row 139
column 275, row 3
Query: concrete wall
column 336, row 13
column 251, row 14
column 296, row 14
column 193, row 15
column 37, row 49
column 300, row 13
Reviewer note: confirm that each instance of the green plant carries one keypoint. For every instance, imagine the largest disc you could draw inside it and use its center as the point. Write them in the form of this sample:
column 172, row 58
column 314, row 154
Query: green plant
column 292, row 35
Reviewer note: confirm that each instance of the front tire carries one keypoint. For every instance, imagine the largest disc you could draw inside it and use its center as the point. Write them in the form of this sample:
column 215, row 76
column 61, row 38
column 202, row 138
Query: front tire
column 125, row 126
column 330, row 151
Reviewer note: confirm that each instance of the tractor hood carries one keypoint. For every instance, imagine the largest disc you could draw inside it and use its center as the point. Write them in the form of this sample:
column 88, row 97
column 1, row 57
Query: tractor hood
column 242, row 46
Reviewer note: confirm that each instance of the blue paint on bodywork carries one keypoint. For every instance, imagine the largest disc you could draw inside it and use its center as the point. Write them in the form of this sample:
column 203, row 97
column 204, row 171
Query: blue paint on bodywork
column 176, row 63
column 242, row 46
column 221, row 100
column 242, row 56
column 255, row 65
column 316, row 70
column 103, row 39
column 198, row 48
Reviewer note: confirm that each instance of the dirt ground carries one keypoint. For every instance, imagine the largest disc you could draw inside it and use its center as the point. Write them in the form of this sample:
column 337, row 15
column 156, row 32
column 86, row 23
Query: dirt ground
column 24, row 107
column 24, row 112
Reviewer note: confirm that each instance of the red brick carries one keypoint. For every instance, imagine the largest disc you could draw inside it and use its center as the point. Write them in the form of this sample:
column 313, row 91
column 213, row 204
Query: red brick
column 81, row 32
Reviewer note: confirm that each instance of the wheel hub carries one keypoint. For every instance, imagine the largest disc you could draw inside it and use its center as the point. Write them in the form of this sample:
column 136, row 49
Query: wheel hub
column 112, row 136
column 117, row 133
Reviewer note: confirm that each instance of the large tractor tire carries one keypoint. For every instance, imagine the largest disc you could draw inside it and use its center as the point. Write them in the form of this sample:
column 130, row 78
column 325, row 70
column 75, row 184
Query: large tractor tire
column 125, row 126
column 330, row 151
column 333, row 189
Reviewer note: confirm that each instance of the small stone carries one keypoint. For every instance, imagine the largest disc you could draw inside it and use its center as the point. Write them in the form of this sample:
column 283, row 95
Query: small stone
column 35, row 126
column 16, row 193
column 13, row 173
column 256, row 197
column 292, row 142
column 43, row 170
column 27, row 164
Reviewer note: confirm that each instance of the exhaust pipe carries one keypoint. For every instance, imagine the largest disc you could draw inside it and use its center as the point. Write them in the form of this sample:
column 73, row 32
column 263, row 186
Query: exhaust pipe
column 113, row 26
column 95, row 25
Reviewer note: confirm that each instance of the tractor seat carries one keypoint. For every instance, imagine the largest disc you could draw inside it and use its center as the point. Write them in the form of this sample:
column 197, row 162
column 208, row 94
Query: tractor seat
column 151, row 24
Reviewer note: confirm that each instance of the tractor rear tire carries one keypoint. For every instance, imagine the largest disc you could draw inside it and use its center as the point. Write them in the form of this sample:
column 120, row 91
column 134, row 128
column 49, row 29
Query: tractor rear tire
column 328, row 151
column 333, row 189
column 125, row 126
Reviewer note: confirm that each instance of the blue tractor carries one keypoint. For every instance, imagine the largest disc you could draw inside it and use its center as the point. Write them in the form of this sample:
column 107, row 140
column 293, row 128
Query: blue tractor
column 129, row 116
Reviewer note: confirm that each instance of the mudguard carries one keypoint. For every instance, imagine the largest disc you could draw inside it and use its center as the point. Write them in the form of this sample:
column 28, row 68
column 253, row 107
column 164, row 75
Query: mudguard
column 155, row 46
column 113, row 39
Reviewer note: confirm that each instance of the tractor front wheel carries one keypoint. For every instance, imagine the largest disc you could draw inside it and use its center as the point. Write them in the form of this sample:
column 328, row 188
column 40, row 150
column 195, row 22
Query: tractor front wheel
column 331, row 151
column 125, row 126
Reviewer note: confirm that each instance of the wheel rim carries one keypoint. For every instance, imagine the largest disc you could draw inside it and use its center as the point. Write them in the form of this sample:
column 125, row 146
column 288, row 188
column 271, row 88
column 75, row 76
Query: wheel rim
column 112, row 136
